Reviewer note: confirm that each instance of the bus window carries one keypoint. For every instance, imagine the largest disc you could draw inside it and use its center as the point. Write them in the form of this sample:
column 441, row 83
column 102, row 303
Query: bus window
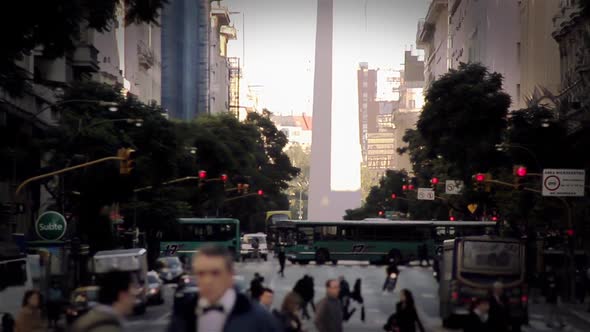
column 347, row 233
column 305, row 235
column 366, row 233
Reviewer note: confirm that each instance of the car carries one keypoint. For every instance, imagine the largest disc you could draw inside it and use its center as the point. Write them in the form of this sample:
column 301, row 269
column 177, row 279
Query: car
column 169, row 268
column 248, row 244
column 82, row 300
column 155, row 288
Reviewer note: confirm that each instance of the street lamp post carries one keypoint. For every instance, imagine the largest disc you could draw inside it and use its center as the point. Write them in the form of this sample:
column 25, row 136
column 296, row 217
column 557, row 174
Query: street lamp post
column 504, row 147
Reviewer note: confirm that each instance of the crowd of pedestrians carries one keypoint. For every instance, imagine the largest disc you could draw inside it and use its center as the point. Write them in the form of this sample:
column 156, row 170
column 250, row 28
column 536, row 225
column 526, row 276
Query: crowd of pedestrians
column 220, row 307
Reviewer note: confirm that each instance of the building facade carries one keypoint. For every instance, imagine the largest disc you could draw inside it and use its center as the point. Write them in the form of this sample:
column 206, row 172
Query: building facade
column 538, row 52
column 433, row 38
column 572, row 33
column 219, row 79
column 185, row 58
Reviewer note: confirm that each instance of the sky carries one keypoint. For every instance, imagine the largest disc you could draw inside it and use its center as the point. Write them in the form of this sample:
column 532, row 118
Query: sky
column 279, row 51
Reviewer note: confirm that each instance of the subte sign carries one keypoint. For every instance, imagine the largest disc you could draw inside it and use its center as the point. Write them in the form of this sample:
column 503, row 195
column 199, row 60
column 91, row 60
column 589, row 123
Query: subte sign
column 425, row 194
column 563, row 182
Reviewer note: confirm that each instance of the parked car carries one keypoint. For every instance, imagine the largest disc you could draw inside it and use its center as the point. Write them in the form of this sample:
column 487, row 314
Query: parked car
column 169, row 268
column 155, row 288
column 82, row 300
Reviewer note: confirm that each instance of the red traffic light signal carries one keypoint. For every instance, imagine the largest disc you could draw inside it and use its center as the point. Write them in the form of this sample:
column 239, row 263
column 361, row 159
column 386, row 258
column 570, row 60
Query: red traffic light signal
column 434, row 181
column 452, row 218
column 480, row 177
column 202, row 175
column 405, row 187
column 411, row 187
column 381, row 213
column 223, row 177
column 569, row 232
column 521, row 171
column 494, row 218
column 393, row 196
column 260, row 192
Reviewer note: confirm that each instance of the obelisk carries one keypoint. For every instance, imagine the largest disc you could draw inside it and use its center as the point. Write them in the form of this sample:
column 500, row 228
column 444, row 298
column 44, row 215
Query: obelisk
column 321, row 142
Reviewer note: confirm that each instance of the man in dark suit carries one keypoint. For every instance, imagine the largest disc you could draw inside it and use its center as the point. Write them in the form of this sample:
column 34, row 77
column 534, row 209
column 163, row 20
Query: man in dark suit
column 498, row 319
column 218, row 307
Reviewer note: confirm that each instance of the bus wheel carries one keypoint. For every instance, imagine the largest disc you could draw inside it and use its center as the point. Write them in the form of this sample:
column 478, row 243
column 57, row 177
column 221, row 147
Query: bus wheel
column 304, row 262
column 396, row 255
column 322, row 256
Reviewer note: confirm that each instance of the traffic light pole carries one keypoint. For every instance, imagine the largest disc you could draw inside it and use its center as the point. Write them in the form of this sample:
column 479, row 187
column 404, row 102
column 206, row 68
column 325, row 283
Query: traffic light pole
column 64, row 170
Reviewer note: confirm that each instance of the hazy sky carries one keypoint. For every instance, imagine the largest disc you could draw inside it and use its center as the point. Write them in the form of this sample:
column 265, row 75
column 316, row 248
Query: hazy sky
column 279, row 56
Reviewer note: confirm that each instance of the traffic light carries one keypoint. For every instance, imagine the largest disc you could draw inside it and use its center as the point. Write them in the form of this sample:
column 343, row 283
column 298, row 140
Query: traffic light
column 434, row 181
column 452, row 218
column 240, row 188
column 260, row 192
column 202, row 175
column 127, row 161
column 411, row 187
column 223, row 178
column 393, row 196
column 245, row 188
column 381, row 213
column 482, row 181
column 519, row 172
column 405, row 187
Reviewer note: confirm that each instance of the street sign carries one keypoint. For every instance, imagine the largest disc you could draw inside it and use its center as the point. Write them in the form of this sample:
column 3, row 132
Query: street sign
column 51, row 226
column 453, row 187
column 426, row 194
column 563, row 182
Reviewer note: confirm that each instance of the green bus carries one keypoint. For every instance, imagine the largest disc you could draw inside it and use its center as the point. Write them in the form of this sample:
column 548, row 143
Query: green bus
column 184, row 237
column 373, row 240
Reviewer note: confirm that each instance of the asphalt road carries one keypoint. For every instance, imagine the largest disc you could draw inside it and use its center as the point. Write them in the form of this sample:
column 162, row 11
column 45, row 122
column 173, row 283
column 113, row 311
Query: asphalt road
column 378, row 305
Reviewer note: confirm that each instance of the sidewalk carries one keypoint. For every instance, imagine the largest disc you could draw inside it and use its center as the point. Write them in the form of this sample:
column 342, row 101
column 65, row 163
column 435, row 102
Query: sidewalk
column 576, row 317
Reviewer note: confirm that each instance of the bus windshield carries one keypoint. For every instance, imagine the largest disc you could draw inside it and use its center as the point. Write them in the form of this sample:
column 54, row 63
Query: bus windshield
column 479, row 256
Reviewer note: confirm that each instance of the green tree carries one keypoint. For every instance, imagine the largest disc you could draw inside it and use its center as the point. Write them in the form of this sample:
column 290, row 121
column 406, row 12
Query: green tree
column 299, row 186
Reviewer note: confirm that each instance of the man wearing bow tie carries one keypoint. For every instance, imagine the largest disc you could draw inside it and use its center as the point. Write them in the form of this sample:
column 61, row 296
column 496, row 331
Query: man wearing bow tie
column 218, row 307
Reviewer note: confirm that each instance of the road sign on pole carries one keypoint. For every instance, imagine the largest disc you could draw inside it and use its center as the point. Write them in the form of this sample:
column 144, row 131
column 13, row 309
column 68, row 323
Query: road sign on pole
column 426, row 194
column 453, row 187
column 51, row 226
column 563, row 182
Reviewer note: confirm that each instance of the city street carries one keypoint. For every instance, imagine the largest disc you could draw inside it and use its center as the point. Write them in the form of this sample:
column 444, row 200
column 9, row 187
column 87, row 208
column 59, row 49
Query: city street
column 378, row 306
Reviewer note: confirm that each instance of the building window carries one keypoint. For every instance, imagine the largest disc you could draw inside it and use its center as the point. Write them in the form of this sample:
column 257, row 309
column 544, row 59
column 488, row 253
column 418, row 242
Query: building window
column 518, row 52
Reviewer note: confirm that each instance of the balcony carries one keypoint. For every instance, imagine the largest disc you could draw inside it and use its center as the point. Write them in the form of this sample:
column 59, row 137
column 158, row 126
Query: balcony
column 85, row 58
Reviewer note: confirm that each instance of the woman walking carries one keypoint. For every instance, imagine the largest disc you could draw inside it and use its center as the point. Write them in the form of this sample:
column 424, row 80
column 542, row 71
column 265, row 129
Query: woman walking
column 29, row 318
column 405, row 317
column 288, row 316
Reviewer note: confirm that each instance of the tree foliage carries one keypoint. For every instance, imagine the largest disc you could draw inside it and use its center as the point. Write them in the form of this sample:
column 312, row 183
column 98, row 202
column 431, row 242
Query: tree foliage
column 250, row 152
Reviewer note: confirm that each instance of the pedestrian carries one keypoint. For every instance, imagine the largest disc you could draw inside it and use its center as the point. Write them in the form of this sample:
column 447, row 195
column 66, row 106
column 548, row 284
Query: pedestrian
column 405, row 317
column 116, row 298
column 423, row 254
column 256, row 247
column 329, row 314
column 391, row 268
column 29, row 318
column 344, row 297
column 218, row 307
column 552, row 289
column 266, row 298
column 256, row 287
column 288, row 316
column 305, row 289
column 476, row 321
column 54, row 304
column 282, row 260
column 498, row 319
column 357, row 295
column 580, row 285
